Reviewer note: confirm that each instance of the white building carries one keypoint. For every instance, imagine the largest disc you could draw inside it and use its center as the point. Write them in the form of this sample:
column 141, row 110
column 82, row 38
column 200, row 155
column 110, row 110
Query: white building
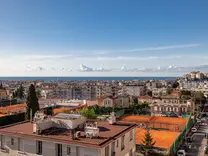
column 135, row 90
column 68, row 135
column 157, row 92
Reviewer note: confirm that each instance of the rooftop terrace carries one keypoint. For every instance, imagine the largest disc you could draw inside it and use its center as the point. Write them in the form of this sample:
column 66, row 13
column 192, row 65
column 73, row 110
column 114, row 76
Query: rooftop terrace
column 107, row 133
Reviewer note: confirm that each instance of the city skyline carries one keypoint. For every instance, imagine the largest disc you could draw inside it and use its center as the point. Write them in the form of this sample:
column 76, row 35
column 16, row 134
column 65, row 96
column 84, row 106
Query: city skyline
column 49, row 35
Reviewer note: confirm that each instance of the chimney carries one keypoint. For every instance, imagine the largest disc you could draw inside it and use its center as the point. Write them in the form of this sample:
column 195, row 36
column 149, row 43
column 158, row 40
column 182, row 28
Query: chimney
column 34, row 127
column 112, row 118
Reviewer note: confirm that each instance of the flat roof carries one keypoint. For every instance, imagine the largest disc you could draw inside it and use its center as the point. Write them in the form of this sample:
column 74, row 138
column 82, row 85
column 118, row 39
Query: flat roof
column 168, row 123
column 155, row 119
column 164, row 139
column 107, row 134
column 67, row 116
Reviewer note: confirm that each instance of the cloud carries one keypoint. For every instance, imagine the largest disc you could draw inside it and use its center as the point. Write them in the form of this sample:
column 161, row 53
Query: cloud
column 120, row 58
column 165, row 47
column 146, row 49
column 28, row 57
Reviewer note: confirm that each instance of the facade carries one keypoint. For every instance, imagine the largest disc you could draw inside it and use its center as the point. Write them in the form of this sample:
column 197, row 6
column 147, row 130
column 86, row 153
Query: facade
column 68, row 93
column 110, row 101
column 199, row 86
column 171, row 103
column 157, row 92
column 57, row 137
column 4, row 94
column 135, row 90
column 195, row 75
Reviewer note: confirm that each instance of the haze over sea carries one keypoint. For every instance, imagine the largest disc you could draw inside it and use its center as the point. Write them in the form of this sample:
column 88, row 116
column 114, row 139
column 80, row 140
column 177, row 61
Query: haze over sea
column 83, row 78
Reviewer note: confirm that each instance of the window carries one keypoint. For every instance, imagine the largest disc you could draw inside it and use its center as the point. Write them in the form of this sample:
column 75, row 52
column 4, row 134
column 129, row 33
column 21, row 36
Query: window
column 131, row 153
column 18, row 144
column 12, row 141
column 131, row 135
column 122, row 143
column 39, row 147
column 117, row 143
column 68, row 150
column 59, row 149
column 107, row 151
column 2, row 142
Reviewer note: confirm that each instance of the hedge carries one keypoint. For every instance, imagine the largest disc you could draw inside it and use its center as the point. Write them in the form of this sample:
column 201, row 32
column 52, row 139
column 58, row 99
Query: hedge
column 10, row 119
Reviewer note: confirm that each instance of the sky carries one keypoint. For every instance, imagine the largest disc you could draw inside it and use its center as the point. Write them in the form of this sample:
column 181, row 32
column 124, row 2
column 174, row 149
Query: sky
column 60, row 34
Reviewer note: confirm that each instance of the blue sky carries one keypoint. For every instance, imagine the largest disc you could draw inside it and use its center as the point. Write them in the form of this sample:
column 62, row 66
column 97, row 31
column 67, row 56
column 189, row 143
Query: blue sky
column 134, row 33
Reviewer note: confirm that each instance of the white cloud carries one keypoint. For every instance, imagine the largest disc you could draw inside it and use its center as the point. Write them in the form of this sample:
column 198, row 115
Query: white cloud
column 37, row 57
column 120, row 58
column 165, row 47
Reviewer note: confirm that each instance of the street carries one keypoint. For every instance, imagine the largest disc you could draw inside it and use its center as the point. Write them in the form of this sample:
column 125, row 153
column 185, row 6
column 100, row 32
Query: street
column 198, row 144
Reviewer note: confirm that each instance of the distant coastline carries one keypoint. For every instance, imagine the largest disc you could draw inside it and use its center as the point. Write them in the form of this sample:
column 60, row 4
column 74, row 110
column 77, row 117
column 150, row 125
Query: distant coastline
column 82, row 78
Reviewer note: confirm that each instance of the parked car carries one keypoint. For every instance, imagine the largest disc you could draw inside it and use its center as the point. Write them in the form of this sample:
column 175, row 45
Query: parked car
column 203, row 124
column 188, row 139
column 198, row 120
column 206, row 150
column 181, row 153
column 194, row 129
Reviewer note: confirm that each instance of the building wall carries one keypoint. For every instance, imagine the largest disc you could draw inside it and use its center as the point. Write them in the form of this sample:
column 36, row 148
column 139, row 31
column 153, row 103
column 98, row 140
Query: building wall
column 3, row 94
column 135, row 90
column 122, row 102
column 106, row 102
column 28, row 147
column 129, row 145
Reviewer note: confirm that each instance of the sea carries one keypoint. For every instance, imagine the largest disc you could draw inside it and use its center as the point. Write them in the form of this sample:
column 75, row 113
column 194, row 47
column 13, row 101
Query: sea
column 83, row 78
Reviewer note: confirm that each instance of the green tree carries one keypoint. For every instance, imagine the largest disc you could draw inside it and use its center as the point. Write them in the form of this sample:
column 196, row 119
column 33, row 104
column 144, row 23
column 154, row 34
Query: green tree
column 14, row 94
column 135, row 100
column 32, row 103
column 1, row 86
column 138, row 108
column 147, row 144
column 199, row 98
column 96, row 109
column 38, row 93
column 169, row 90
column 149, row 93
column 88, row 113
column 175, row 84
column 185, row 93
column 20, row 92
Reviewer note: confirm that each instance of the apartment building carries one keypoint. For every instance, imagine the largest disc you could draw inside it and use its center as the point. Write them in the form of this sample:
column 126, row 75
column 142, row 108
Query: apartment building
column 154, row 84
column 68, row 135
column 157, row 92
column 135, row 90
column 4, row 95
column 169, row 104
column 70, row 92
column 198, row 86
